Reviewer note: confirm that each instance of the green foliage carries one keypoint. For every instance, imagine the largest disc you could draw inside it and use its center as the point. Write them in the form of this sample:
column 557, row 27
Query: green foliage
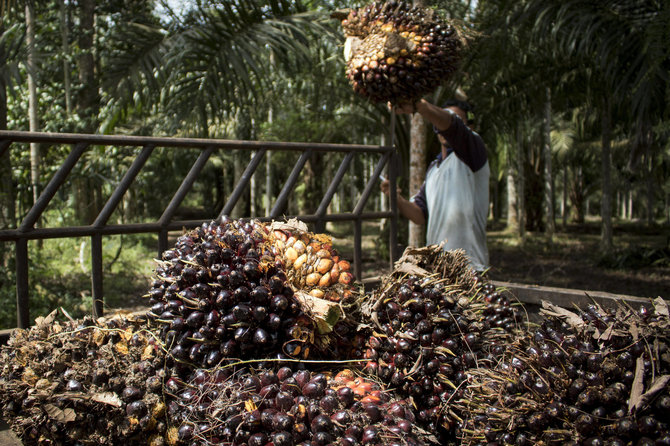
column 60, row 276
column 637, row 257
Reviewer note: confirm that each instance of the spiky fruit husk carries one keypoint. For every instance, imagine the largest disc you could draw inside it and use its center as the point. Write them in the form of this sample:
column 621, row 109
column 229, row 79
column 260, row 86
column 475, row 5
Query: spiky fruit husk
column 595, row 376
column 429, row 331
column 84, row 381
column 396, row 52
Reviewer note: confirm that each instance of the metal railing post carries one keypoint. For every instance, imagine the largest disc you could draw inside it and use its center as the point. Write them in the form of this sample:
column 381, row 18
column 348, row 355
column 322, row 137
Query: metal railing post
column 96, row 275
column 22, row 291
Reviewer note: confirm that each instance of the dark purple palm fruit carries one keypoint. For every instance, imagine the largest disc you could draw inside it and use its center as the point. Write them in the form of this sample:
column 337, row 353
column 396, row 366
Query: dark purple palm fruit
column 220, row 297
column 571, row 383
column 396, row 52
column 289, row 406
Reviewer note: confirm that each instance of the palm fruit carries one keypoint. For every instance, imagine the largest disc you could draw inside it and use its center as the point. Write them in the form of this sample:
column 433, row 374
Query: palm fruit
column 589, row 377
column 429, row 329
column 219, row 295
column 84, row 382
column 396, row 52
column 311, row 263
column 286, row 406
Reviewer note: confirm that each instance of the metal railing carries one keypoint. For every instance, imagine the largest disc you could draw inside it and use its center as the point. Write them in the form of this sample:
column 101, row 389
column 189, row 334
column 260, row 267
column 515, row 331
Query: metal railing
column 80, row 143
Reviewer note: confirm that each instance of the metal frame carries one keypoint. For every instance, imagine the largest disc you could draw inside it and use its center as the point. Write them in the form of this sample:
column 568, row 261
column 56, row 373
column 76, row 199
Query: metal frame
column 100, row 227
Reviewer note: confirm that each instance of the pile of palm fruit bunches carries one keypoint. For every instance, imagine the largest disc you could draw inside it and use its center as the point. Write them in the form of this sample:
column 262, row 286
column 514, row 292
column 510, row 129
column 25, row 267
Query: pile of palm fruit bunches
column 256, row 334
column 398, row 52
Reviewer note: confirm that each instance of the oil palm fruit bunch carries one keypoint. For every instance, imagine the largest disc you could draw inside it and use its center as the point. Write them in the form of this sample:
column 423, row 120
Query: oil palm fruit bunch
column 592, row 377
column 84, row 382
column 287, row 406
column 428, row 331
column 311, row 263
column 397, row 52
column 220, row 294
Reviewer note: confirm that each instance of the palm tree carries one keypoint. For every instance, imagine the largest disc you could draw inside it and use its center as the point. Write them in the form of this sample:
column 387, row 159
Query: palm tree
column 626, row 43
column 11, row 53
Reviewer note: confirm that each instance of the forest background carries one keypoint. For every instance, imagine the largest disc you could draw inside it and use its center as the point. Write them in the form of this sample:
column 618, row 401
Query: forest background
column 570, row 97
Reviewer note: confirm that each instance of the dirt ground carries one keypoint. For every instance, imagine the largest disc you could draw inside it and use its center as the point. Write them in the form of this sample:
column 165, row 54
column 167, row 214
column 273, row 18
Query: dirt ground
column 639, row 266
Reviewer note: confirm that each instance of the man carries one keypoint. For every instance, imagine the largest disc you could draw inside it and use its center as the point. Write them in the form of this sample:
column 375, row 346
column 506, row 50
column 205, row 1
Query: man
column 454, row 198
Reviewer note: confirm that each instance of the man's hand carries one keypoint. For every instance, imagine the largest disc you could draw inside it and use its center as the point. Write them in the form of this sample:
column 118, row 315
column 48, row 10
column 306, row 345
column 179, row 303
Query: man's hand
column 385, row 185
column 404, row 108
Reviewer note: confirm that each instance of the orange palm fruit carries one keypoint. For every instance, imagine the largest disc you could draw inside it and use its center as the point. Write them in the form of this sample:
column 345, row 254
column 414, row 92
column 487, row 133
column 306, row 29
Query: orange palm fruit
column 324, row 265
column 325, row 280
column 312, row 279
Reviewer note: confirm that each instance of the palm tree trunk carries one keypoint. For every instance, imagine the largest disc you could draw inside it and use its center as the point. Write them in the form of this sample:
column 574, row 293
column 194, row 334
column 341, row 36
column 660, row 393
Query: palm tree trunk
column 268, row 173
column 64, row 32
column 521, row 182
column 33, row 120
column 606, row 241
column 417, row 172
column 417, row 164
column 564, row 213
column 512, row 211
column 550, row 228
column 649, row 180
column 87, row 106
column 7, row 189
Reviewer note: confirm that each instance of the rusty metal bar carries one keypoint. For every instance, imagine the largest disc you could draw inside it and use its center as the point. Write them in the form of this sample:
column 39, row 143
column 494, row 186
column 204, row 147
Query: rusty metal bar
column 96, row 274
column 50, row 190
column 4, row 145
column 123, row 186
column 200, row 143
column 162, row 241
column 290, row 183
column 332, row 188
column 243, row 183
column 371, row 183
column 185, row 186
column 358, row 241
column 27, row 231
column 137, row 228
column 22, row 289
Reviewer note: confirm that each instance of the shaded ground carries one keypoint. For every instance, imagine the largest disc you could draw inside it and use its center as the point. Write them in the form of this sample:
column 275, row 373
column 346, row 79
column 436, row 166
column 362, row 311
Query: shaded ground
column 640, row 265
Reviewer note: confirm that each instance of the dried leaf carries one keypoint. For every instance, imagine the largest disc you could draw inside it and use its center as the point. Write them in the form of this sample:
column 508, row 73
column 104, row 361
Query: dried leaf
column 607, row 334
column 290, row 225
column 658, row 385
column 67, row 315
column 634, row 331
column 59, row 414
column 121, row 347
column 147, row 353
column 99, row 337
column 637, row 387
column 554, row 310
column 127, row 334
column 661, row 306
column 109, row 398
column 410, row 268
column 42, row 322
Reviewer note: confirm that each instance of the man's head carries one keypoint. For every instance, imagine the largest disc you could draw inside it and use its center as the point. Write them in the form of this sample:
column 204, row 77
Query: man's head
column 462, row 108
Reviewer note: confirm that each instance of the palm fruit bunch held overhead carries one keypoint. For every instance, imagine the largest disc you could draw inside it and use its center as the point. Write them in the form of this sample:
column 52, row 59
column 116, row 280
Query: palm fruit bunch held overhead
column 397, row 52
